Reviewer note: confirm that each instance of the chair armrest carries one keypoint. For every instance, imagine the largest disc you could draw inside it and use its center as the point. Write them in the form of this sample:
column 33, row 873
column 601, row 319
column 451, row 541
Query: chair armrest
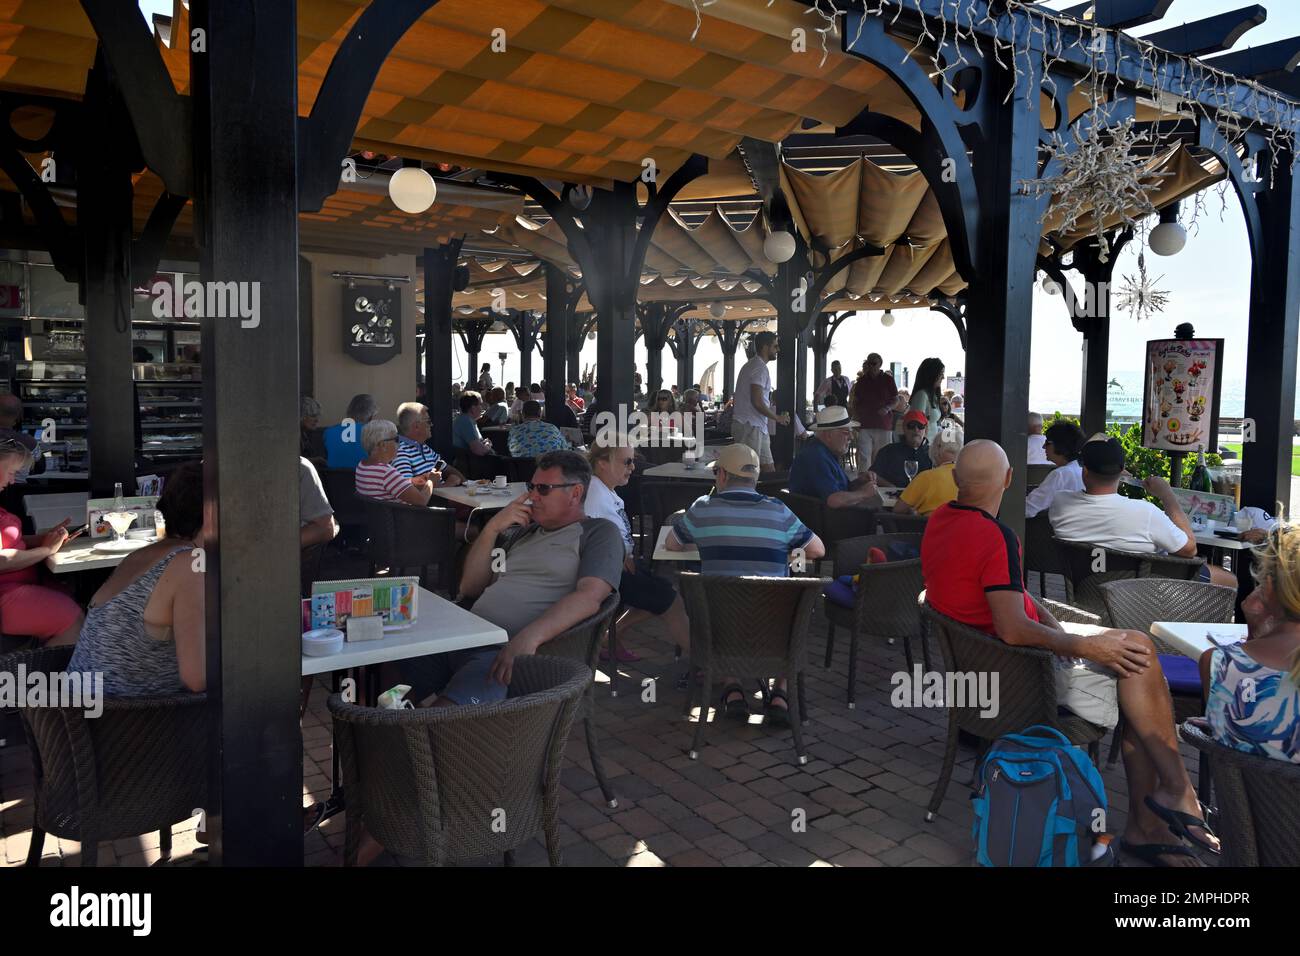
column 1071, row 615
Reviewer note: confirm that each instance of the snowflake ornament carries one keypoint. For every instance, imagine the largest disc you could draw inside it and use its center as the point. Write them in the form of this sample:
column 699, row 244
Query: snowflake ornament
column 1138, row 295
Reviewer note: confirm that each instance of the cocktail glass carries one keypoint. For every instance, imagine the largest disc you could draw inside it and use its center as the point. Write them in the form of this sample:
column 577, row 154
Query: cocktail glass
column 119, row 521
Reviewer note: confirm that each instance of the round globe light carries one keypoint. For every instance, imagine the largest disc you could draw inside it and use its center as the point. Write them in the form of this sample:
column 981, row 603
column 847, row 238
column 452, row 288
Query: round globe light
column 887, row 318
column 1051, row 286
column 1167, row 239
column 717, row 310
column 412, row 189
column 779, row 246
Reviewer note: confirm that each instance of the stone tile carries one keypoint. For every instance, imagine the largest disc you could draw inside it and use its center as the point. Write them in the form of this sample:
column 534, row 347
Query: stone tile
column 855, row 858
column 694, row 857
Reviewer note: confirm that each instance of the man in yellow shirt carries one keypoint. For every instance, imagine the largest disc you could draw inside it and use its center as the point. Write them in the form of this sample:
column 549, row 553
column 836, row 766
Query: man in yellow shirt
column 935, row 486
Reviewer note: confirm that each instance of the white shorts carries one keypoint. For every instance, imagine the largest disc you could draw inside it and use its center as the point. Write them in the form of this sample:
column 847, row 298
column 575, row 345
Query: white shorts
column 755, row 437
column 1087, row 690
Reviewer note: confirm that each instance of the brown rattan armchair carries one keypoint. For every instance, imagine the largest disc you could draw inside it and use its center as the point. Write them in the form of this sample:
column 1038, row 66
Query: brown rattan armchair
column 750, row 627
column 1041, row 553
column 140, row 766
column 582, row 643
column 1026, row 689
column 406, row 536
column 1259, row 803
column 891, row 523
column 830, row 524
column 449, row 784
column 885, row 600
column 1083, row 583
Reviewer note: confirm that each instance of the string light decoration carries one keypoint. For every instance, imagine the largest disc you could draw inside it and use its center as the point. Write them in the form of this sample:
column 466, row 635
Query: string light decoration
column 1138, row 295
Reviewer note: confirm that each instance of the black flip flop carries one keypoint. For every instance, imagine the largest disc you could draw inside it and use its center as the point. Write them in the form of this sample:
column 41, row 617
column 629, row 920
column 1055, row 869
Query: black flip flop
column 1180, row 823
column 1151, row 853
column 777, row 716
column 735, row 709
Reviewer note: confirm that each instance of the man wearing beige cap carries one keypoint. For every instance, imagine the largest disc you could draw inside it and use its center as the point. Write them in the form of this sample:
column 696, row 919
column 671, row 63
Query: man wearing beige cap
column 740, row 532
column 818, row 471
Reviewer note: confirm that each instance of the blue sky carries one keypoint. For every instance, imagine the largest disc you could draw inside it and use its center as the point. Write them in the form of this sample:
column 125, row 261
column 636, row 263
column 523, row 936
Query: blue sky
column 1209, row 282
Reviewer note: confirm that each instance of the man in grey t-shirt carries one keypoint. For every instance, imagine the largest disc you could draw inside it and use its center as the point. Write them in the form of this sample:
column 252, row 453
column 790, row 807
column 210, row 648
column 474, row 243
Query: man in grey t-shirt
column 559, row 565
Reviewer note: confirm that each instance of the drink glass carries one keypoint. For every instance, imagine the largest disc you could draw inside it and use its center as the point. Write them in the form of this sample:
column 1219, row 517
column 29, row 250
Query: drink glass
column 119, row 521
column 910, row 469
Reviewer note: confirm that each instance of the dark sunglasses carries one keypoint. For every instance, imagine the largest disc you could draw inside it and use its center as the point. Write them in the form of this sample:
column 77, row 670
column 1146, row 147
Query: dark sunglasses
column 916, row 425
column 544, row 489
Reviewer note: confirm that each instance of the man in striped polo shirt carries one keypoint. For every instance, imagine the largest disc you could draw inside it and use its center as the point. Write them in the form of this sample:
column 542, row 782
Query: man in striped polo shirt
column 740, row 532
column 414, row 457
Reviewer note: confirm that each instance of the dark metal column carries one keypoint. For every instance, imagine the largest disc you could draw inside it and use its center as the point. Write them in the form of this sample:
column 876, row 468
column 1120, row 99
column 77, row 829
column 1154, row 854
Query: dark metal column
column 788, row 345
column 1096, row 356
column 245, row 97
column 104, row 194
column 1271, row 342
column 611, row 223
column 559, row 315
column 1001, row 294
column 439, row 284
column 820, row 346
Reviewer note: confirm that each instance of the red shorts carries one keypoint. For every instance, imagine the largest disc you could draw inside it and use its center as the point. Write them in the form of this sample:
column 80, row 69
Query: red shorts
column 30, row 610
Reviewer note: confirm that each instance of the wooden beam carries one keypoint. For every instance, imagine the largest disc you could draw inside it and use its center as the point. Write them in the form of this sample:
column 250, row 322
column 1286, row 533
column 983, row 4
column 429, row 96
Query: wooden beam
column 1212, row 35
column 1281, row 56
column 1121, row 13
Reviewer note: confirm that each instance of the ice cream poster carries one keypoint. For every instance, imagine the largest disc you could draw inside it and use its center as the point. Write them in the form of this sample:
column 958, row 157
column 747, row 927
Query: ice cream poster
column 333, row 602
column 1180, row 404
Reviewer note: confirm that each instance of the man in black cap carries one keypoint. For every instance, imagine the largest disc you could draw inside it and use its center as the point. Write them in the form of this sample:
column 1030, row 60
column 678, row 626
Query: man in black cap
column 1101, row 515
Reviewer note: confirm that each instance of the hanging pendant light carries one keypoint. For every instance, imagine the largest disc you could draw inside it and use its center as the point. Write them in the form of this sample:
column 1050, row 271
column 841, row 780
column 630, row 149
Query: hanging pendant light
column 1051, row 286
column 717, row 310
column 1168, row 238
column 412, row 189
column 779, row 246
column 887, row 318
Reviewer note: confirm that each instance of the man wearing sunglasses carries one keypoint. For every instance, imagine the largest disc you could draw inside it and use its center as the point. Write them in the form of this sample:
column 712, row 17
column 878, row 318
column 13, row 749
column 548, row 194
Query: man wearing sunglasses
column 890, row 466
column 558, row 566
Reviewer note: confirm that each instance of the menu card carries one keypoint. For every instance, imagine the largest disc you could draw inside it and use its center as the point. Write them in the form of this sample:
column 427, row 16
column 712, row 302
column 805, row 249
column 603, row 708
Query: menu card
column 333, row 602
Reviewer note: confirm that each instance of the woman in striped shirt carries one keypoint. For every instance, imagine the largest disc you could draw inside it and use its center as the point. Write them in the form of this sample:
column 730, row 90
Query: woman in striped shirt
column 376, row 476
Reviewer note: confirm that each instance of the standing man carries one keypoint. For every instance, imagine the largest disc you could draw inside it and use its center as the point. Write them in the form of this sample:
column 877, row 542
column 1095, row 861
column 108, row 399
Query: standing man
column 753, row 396
column 874, row 396
column 835, row 390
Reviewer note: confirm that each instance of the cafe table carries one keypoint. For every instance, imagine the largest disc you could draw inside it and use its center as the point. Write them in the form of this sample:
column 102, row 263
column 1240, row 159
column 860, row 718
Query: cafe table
column 661, row 552
column 1192, row 639
column 483, row 498
column 79, row 555
column 677, row 469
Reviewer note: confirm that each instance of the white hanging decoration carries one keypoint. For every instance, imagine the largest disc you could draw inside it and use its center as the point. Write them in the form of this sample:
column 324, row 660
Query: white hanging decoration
column 779, row 246
column 717, row 310
column 412, row 189
column 1138, row 295
column 887, row 318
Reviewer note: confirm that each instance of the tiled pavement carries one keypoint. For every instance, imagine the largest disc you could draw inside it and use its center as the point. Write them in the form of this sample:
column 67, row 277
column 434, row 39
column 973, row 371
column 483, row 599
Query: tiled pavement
column 863, row 793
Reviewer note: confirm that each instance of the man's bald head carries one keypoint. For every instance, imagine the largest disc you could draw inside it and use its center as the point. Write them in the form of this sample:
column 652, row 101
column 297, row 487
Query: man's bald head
column 982, row 473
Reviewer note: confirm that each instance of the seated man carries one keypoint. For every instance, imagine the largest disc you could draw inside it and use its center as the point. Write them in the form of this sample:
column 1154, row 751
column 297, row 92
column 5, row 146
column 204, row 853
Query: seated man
column 534, row 437
column 343, row 441
column 466, row 439
column 740, row 532
column 1101, row 515
column 495, row 412
column 1036, row 454
column 972, row 567
column 934, row 486
column 888, row 466
column 415, row 458
column 817, row 470
column 316, row 522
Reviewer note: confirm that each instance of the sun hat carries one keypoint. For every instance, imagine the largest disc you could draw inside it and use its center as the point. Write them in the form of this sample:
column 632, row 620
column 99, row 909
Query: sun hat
column 739, row 460
column 833, row 416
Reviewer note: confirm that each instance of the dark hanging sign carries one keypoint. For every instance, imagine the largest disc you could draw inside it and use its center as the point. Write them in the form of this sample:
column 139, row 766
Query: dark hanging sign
column 372, row 323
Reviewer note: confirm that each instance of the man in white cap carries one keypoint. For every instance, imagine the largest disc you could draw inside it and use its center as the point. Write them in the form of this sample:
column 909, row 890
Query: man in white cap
column 740, row 532
column 817, row 470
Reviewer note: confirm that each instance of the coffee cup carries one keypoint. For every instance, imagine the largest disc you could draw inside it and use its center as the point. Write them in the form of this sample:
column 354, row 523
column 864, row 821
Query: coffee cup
column 499, row 481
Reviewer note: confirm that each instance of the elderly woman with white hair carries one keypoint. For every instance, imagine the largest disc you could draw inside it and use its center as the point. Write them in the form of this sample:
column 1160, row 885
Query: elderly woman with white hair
column 935, row 486
column 376, row 476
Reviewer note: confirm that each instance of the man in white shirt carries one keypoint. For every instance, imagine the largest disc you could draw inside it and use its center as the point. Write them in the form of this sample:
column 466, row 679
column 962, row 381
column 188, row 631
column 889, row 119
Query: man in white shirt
column 752, row 409
column 1064, row 441
column 1100, row 515
column 1037, row 456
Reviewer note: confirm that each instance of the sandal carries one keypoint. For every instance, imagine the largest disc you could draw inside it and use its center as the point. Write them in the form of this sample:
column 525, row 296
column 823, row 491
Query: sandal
column 1181, row 824
column 736, row 709
column 777, row 716
column 1150, row 853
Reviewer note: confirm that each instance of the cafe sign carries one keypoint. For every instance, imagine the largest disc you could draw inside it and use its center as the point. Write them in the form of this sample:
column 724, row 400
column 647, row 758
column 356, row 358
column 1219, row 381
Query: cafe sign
column 1180, row 408
column 372, row 323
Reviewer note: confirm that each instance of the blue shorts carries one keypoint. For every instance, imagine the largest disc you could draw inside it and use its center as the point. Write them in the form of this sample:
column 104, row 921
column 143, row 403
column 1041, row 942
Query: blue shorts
column 461, row 676
column 1203, row 574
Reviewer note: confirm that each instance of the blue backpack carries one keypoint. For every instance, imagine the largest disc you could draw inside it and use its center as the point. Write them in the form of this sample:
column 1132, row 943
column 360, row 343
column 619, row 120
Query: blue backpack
column 1037, row 802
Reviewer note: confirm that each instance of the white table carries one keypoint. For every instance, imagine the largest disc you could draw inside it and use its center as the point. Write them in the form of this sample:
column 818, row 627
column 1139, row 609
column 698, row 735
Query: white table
column 78, row 556
column 692, row 553
column 493, row 501
column 1191, row 639
column 439, row 627
column 1208, row 539
column 676, row 469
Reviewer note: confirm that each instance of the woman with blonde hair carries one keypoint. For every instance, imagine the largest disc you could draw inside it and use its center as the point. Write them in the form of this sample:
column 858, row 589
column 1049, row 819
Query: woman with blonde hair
column 1253, row 688
column 935, row 486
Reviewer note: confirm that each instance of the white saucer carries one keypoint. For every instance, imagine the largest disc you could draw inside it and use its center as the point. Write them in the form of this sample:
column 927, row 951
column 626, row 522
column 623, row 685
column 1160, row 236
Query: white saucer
column 124, row 546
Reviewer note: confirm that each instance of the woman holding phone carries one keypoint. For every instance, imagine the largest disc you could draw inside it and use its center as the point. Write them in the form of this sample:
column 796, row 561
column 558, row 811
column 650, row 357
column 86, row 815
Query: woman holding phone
column 28, row 608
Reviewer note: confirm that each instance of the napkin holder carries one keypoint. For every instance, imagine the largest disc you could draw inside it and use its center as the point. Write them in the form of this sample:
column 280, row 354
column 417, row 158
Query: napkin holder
column 369, row 627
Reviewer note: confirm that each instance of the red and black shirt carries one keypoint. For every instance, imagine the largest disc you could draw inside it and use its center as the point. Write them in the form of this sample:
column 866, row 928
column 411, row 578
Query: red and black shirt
column 966, row 552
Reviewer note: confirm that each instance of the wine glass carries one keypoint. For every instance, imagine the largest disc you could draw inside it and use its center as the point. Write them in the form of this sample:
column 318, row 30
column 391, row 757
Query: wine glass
column 119, row 521
column 909, row 469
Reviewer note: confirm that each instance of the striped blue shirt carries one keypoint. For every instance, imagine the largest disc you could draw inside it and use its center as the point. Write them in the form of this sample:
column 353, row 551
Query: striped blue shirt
column 416, row 458
column 742, row 533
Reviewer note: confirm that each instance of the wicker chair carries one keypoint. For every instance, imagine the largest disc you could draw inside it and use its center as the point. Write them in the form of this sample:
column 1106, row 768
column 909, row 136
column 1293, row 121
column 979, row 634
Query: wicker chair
column 1041, row 553
column 341, row 490
column 1259, row 803
column 582, row 643
column 662, row 499
column 752, row 627
column 1083, row 584
column 1026, row 683
column 142, row 765
column 772, row 484
column 520, row 469
column 447, row 784
column 891, row 523
column 832, row 525
column 1036, row 474
column 885, row 601
column 407, row 536
column 1136, row 604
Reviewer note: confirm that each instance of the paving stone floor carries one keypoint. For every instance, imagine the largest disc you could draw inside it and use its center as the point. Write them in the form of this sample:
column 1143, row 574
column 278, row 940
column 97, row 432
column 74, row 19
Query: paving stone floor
column 863, row 793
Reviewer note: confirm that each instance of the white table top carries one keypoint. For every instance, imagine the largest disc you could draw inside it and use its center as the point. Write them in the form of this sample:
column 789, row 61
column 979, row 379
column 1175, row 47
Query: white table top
column 1208, row 539
column 662, row 553
column 491, row 502
column 1191, row 639
column 677, row 469
column 439, row 627
column 78, row 556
